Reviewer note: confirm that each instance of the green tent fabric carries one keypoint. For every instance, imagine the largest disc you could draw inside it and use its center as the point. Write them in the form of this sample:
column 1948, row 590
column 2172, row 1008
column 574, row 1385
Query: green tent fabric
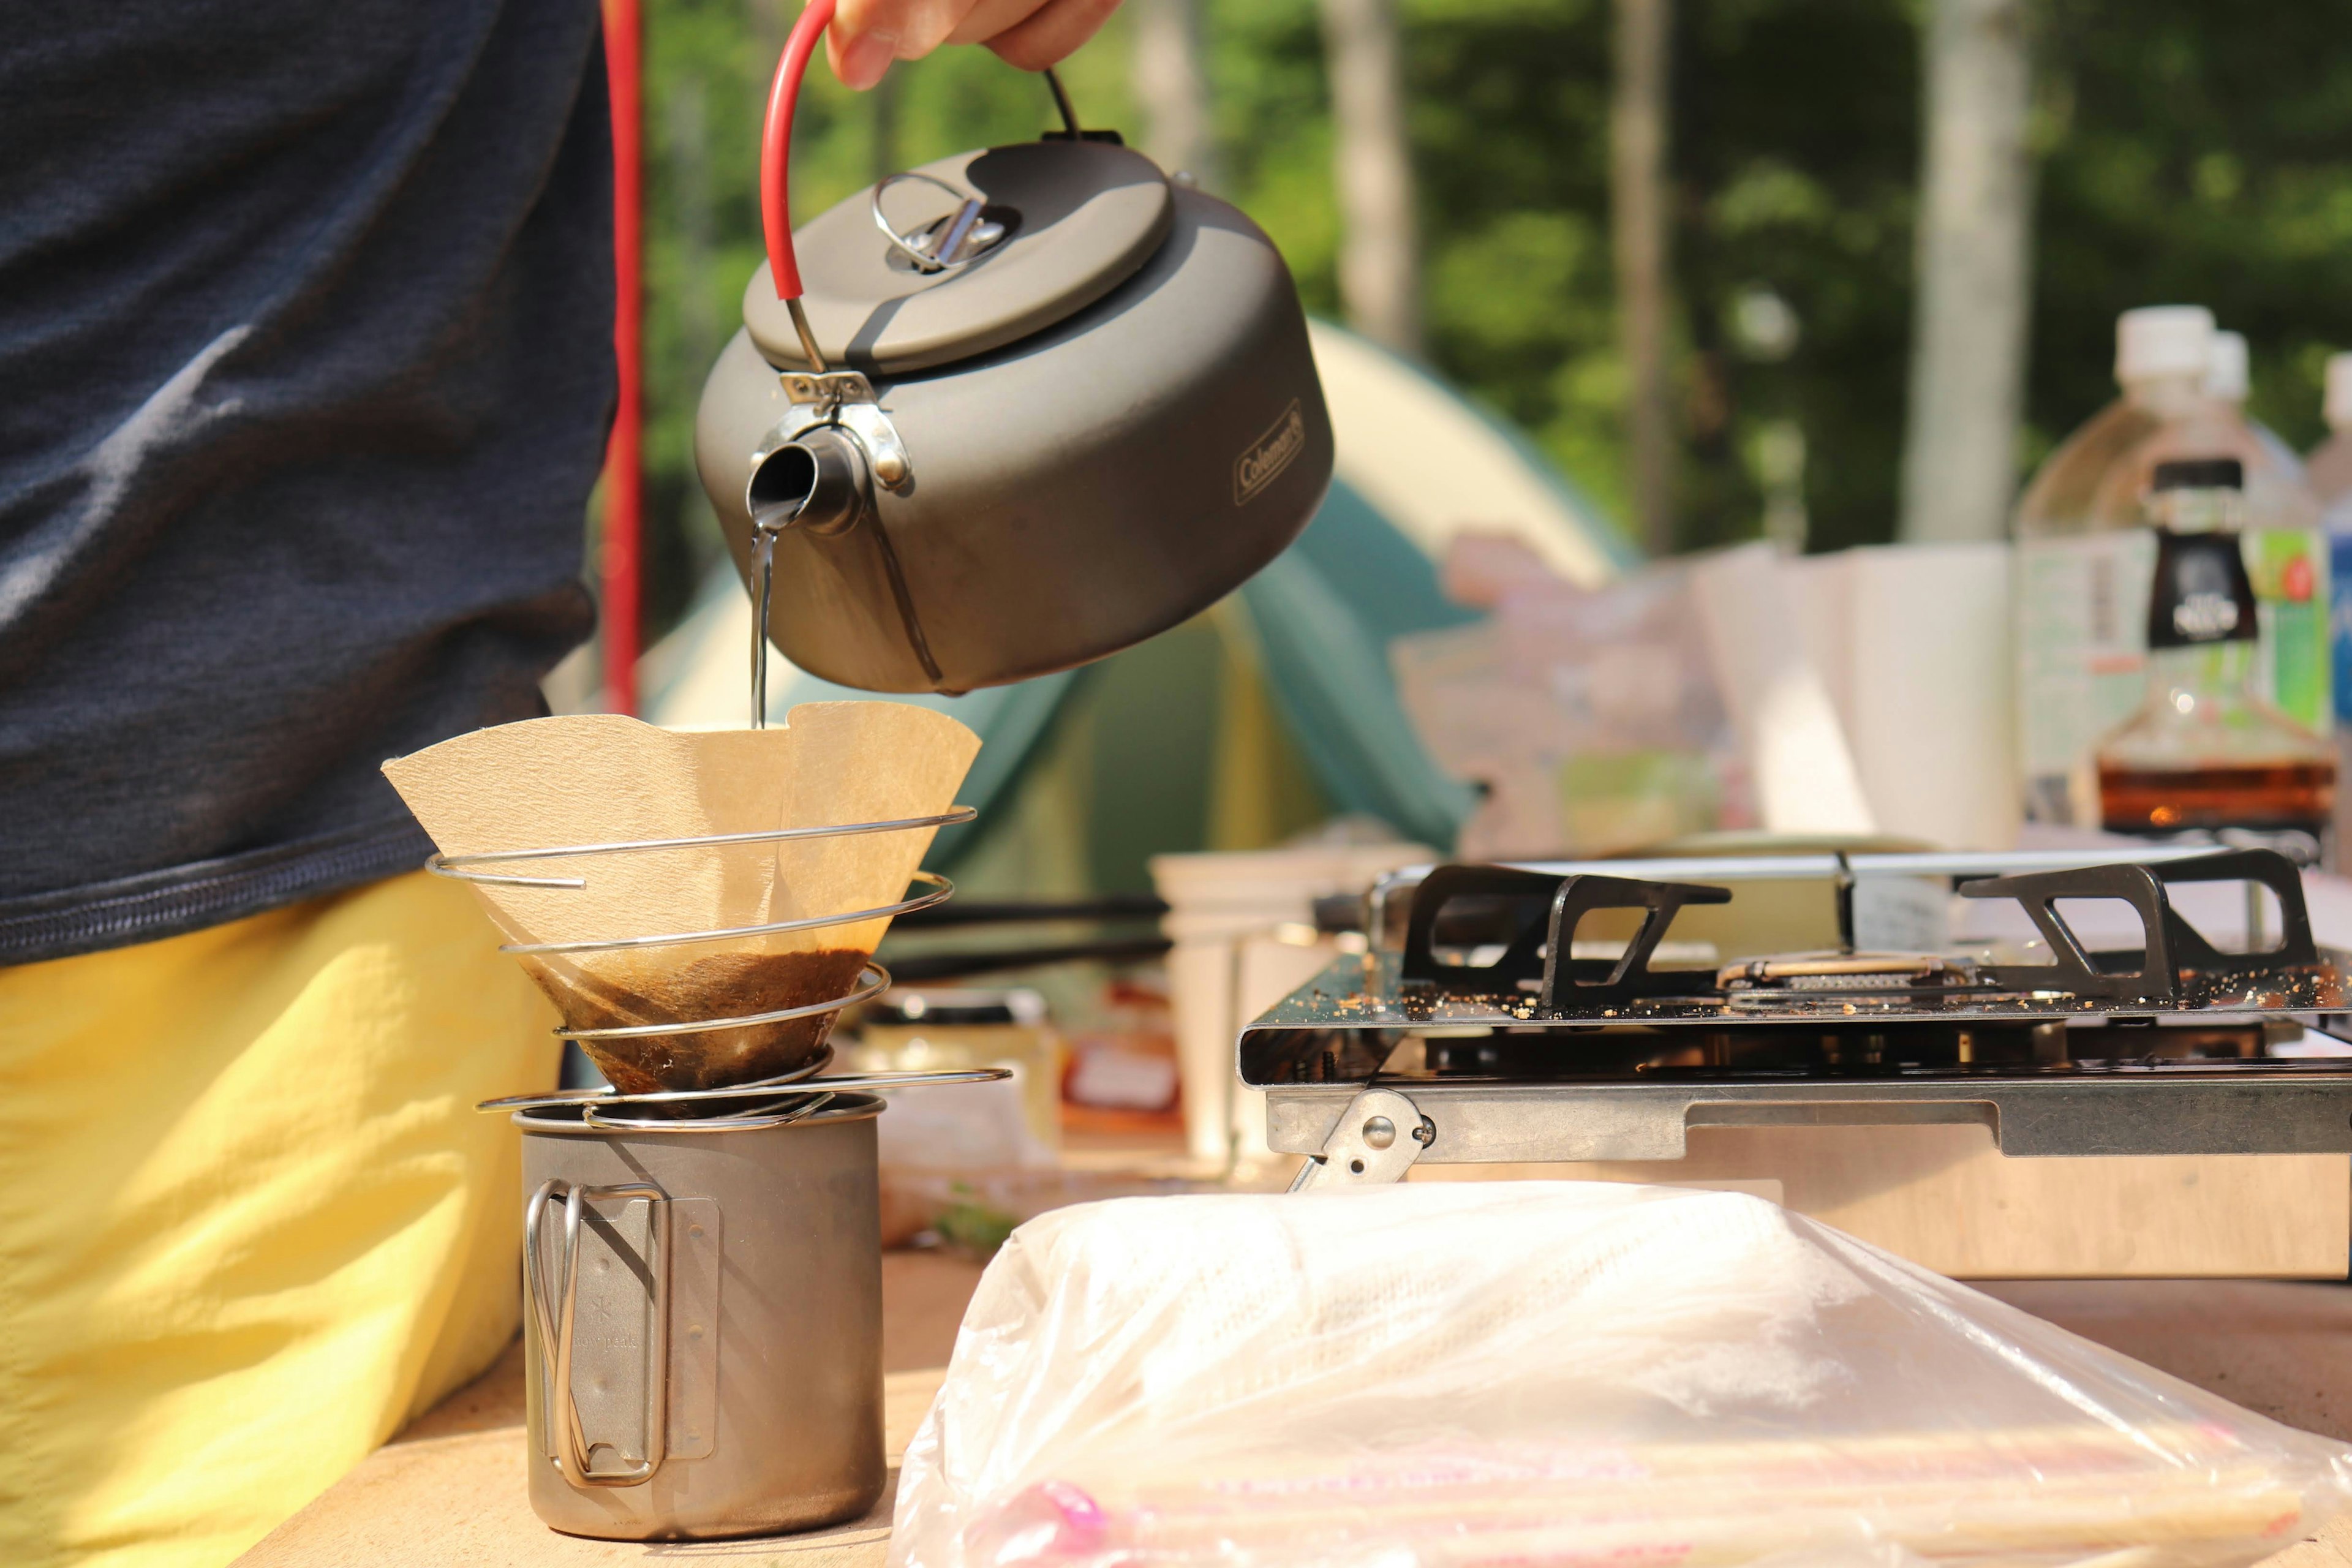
column 1323, row 613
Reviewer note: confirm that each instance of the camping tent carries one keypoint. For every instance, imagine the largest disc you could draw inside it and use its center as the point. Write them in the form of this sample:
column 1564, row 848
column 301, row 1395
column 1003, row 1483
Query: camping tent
column 1268, row 714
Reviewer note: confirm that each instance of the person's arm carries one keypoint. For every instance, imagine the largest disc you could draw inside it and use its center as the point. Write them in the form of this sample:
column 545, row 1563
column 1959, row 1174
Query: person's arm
column 867, row 35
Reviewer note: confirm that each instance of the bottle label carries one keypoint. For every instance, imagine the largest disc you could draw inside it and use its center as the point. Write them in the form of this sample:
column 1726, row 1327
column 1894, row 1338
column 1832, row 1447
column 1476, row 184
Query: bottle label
column 2291, row 572
column 2082, row 656
column 2202, row 592
column 2082, row 611
column 2340, row 623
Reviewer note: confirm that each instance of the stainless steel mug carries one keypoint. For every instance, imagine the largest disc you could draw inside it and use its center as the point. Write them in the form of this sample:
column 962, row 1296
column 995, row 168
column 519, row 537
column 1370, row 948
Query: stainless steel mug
column 703, row 1320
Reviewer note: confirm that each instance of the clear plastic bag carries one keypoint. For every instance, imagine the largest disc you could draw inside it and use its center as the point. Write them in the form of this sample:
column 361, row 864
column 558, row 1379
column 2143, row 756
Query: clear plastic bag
column 1462, row 1374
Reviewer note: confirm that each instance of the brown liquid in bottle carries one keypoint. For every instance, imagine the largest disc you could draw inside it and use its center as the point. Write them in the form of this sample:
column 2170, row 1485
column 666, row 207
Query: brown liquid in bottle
column 2263, row 797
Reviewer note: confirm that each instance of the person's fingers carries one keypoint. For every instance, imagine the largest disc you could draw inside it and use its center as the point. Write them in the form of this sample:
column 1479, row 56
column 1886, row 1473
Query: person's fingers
column 867, row 35
column 987, row 18
column 860, row 62
column 1050, row 33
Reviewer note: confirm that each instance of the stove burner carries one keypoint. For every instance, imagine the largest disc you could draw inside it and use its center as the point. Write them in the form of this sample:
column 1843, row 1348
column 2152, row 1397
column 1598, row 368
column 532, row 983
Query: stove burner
column 1841, row 973
column 2173, row 966
column 2172, row 951
column 1546, row 910
column 2170, row 1046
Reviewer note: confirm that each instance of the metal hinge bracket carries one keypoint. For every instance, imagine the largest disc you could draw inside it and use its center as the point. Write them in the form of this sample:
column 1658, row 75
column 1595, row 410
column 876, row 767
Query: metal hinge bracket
column 846, row 399
column 1378, row 1138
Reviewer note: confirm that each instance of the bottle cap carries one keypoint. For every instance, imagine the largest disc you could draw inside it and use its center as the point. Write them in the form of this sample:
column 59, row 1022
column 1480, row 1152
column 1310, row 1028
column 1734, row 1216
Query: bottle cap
column 2163, row 340
column 2227, row 374
column 2338, row 406
column 2200, row 474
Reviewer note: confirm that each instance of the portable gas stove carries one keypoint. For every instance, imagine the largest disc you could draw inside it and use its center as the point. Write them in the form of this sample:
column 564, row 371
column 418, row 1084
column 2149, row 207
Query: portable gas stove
column 1493, row 1031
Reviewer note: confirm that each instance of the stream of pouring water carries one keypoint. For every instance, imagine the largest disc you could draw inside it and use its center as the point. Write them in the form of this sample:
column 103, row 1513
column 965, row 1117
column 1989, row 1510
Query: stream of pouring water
column 763, row 572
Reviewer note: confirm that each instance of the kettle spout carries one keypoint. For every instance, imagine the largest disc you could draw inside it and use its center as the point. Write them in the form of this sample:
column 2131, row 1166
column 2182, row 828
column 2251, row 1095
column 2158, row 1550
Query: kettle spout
column 818, row 482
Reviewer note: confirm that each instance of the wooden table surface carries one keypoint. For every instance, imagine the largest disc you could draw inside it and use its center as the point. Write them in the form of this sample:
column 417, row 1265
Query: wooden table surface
column 450, row 1490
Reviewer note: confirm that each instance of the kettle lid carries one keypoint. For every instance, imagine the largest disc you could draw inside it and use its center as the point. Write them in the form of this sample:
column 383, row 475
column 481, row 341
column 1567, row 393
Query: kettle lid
column 965, row 255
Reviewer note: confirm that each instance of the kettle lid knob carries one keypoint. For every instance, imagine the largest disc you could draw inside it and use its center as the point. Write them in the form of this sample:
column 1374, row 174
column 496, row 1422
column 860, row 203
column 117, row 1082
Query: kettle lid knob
column 965, row 255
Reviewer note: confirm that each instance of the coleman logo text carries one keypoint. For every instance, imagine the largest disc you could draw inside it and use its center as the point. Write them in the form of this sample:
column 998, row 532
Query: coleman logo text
column 1264, row 458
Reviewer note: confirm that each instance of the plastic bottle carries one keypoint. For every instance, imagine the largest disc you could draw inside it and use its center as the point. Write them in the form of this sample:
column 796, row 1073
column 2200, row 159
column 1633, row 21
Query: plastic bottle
column 2329, row 469
column 2084, row 559
column 2229, row 379
column 2287, row 551
column 2081, row 579
column 2162, row 356
column 2206, row 750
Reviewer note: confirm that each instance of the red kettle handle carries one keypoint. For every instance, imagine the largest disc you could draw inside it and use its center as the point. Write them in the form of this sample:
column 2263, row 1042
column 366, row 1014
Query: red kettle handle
column 776, row 148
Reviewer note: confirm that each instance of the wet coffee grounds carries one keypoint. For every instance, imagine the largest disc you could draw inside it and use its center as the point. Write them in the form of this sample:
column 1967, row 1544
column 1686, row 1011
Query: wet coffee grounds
column 715, row 985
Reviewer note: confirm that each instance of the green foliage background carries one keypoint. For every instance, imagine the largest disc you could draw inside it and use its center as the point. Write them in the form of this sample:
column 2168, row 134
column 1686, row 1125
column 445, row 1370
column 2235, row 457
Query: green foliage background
column 2187, row 152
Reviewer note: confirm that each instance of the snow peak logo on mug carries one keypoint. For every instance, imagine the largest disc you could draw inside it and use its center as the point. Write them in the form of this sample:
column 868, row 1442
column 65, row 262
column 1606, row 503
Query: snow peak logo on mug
column 1264, row 458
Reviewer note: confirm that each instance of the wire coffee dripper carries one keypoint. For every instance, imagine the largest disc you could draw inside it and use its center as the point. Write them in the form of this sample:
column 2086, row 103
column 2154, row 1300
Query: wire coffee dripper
column 873, row 977
column 791, row 1096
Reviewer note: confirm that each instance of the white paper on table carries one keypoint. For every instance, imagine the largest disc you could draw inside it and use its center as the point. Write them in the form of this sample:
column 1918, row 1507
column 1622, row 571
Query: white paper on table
column 1913, row 642
column 1753, row 620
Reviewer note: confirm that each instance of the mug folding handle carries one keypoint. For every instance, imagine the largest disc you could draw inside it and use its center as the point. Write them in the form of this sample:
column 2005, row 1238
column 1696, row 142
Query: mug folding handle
column 554, row 1322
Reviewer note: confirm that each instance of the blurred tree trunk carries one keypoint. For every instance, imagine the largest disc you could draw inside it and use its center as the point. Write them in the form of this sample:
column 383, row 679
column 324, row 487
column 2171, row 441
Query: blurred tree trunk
column 1968, row 321
column 1380, row 251
column 1173, row 86
column 1639, row 213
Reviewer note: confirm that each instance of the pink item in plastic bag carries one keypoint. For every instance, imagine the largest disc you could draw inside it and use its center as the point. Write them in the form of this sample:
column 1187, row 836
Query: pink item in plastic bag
column 1493, row 1375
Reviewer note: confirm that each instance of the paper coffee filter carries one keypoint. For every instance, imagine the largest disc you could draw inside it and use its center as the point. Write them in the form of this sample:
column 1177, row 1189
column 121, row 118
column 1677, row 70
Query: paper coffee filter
column 602, row 778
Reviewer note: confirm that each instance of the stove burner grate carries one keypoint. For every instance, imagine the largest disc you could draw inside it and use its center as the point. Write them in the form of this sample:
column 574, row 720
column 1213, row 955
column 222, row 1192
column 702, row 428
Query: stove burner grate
column 2170, row 1046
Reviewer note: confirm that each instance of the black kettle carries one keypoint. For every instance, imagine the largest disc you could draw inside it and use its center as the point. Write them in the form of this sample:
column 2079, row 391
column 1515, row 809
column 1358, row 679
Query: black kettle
column 1005, row 413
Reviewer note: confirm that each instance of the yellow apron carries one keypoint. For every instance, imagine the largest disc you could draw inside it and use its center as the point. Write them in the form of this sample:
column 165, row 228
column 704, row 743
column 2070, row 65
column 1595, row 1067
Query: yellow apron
column 251, row 1220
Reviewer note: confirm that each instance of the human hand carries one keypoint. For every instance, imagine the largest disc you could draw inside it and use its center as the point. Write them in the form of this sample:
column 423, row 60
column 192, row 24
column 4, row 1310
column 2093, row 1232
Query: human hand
column 867, row 35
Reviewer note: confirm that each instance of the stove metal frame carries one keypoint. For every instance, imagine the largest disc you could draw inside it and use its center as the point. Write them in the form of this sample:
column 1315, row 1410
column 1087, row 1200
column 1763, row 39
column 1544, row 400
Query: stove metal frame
column 1361, row 1124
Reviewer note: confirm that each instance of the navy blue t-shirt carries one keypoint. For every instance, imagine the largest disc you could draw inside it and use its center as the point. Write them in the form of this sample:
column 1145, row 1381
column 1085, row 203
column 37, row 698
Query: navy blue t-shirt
column 305, row 374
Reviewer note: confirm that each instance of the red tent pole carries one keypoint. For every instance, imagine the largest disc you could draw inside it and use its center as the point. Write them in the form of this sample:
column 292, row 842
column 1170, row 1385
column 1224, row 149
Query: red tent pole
column 625, row 455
